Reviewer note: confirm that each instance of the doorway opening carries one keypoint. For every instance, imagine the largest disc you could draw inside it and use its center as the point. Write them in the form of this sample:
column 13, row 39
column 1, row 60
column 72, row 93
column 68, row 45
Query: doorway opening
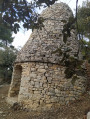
column 16, row 81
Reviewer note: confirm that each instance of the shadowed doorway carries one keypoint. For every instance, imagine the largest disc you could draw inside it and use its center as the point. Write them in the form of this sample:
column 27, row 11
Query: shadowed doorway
column 16, row 81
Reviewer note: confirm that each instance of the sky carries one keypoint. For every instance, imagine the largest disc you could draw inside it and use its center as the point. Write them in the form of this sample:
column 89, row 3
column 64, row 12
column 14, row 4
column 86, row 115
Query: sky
column 22, row 36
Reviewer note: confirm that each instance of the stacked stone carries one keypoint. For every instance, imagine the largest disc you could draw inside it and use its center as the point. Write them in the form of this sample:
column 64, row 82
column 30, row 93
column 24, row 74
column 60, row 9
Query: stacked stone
column 41, row 79
column 42, row 43
column 43, row 86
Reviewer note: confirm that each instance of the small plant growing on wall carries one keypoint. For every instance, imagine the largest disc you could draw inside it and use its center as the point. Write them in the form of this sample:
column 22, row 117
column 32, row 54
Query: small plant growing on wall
column 72, row 63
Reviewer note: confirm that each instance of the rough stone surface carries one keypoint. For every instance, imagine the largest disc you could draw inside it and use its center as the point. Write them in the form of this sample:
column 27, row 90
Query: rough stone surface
column 42, row 43
column 38, row 80
column 37, row 92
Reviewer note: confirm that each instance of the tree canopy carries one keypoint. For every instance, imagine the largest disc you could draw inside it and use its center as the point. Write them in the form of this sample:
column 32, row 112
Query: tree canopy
column 7, row 53
column 15, row 11
column 5, row 36
column 84, row 19
column 84, row 28
column 7, row 57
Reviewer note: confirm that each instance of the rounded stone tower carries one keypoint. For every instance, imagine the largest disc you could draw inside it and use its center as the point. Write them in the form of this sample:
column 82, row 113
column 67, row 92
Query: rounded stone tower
column 38, row 80
column 42, row 43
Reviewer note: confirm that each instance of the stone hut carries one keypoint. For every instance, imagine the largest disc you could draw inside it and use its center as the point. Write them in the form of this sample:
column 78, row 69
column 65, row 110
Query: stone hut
column 38, row 80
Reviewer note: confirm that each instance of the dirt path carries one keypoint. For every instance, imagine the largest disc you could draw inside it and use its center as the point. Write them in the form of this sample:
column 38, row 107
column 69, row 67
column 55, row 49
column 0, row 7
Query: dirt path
column 75, row 110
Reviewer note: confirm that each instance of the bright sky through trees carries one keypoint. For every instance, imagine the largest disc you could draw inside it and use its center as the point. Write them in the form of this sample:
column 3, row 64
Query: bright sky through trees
column 22, row 36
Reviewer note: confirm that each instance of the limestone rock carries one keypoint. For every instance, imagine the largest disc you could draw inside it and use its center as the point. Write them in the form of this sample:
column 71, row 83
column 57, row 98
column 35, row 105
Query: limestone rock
column 43, row 42
column 38, row 80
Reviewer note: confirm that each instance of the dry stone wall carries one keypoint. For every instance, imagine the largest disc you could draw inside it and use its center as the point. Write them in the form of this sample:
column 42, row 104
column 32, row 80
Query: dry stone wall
column 44, row 86
column 38, row 80
column 42, row 43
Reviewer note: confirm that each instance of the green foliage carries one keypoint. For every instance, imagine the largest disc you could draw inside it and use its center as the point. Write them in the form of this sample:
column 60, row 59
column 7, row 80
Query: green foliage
column 84, row 21
column 5, row 35
column 7, row 57
column 69, row 72
column 68, row 27
column 7, row 53
column 71, row 63
column 74, row 78
column 84, row 29
column 15, row 11
column 85, row 47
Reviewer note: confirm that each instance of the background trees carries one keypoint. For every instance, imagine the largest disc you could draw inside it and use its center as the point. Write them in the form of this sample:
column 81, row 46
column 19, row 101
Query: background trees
column 7, row 53
column 7, row 57
column 84, row 28
column 5, row 36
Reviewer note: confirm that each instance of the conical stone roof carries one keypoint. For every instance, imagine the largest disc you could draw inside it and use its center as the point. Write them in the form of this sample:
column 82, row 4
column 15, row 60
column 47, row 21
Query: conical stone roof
column 43, row 42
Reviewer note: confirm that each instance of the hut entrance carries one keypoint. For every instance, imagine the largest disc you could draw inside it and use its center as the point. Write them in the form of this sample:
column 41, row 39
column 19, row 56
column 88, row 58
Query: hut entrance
column 16, row 81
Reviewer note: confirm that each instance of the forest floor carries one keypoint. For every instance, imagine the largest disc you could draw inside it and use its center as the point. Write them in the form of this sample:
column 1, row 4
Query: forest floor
column 74, row 110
